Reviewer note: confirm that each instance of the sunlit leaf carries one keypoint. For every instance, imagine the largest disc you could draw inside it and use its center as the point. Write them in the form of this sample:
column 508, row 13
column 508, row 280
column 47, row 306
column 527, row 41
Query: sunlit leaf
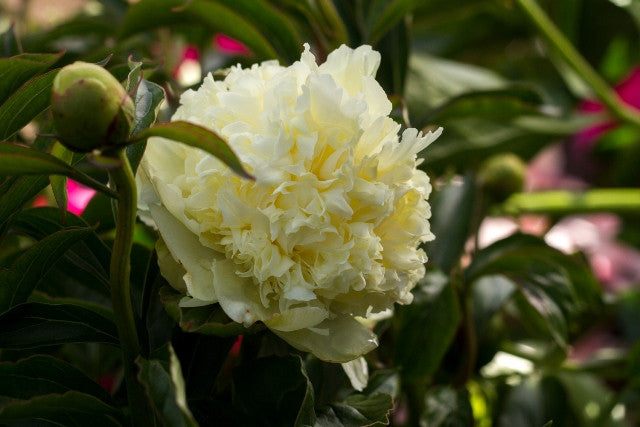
column 198, row 137
column 21, row 160
column 25, row 104
column 17, row 70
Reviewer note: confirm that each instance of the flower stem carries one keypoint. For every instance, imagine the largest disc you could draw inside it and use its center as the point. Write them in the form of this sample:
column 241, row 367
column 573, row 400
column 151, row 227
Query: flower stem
column 123, row 179
column 580, row 65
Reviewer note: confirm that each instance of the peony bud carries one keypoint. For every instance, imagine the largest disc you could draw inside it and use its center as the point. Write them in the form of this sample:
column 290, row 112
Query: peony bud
column 91, row 109
column 502, row 175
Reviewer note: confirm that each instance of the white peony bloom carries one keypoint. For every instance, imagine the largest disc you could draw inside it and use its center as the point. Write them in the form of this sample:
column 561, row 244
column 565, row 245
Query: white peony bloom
column 329, row 230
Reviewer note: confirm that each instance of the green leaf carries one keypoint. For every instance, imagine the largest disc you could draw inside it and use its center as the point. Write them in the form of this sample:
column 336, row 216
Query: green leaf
column 9, row 44
column 17, row 282
column 30, row 100
column 165, row 387
column 39, row 374
column 83, row 267
column 15, row 192
column 146, row 95
column 198, row 137
column 358, row 410
column 69, row 409
column 21, row 160
column 273, row 25
column 275, row 391
column 426, row 327
column 559, row 202
column 149, row 14
column 59, row 182
column 445, row 406
column 208, row 320
column 17, row 70
column 394, row 11
column 32, row 325
column 556, row 287
column 452, row 207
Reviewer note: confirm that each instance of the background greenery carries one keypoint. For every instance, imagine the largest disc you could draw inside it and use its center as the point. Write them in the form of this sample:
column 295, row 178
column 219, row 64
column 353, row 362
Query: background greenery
column 513, row 333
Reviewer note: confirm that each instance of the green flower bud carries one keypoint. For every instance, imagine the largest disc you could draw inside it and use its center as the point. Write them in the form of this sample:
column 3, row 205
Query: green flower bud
column 502, row 175
column 91, row 109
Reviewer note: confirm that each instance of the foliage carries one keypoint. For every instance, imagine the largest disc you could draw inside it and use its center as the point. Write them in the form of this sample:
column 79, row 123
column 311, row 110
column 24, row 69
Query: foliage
column 498, row 334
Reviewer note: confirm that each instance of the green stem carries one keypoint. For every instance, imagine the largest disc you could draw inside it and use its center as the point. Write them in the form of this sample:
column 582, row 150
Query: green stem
column 569, row 53
column 124, row 181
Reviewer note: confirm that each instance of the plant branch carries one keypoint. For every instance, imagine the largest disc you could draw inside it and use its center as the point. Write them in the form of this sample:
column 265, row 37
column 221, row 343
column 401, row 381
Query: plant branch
column 124, row 181
column 570, row 54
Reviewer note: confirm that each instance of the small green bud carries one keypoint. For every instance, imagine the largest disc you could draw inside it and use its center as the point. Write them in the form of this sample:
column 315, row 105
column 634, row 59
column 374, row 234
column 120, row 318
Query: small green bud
column 91, row 109
column 502, row 175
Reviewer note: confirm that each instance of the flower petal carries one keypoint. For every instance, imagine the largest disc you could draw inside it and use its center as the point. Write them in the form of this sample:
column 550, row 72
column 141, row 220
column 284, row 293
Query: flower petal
column 335, row 340
column 189, row 253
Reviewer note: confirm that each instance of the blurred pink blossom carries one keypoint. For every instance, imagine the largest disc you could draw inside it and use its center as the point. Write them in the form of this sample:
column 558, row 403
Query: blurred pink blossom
column 615, row 264
column 78, row 198
column 230, row 46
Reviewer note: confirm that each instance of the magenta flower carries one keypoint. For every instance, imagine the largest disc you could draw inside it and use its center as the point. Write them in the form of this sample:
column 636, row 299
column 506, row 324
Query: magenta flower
column 581, row 161
column 79, row 197
column 230, row 46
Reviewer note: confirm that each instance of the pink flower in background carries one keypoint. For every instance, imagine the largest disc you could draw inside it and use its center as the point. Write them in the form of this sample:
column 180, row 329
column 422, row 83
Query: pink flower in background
column 230, row 46
column 188, row 71
column 79, row 197
column 628, row 91
column 581, row 161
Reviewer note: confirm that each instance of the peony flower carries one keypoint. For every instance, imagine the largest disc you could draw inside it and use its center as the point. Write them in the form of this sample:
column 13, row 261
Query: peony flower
column 331, row 227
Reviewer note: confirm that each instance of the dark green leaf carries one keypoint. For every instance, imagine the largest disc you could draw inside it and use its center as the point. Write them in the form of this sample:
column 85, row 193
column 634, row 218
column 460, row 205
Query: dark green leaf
column 59, row 182
column 9, row 42
column 394, row 11
column 452, row 208
column 16, row 192
column 25, row 104
column 523, row 406
column 38, row 375
column 31, row 325
column 17, row 70
column 426, row 327
column 275, row 391
column 556, row 287
column 209, row 320
column 271, row 24
column 446, row 407
column 358, row 410
column 149, row 14
column 69, row 409
column 383, row 381
column 17, row 282
column 21, row 160
column 165, row 387
column 147, row 97
column 198, row 137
